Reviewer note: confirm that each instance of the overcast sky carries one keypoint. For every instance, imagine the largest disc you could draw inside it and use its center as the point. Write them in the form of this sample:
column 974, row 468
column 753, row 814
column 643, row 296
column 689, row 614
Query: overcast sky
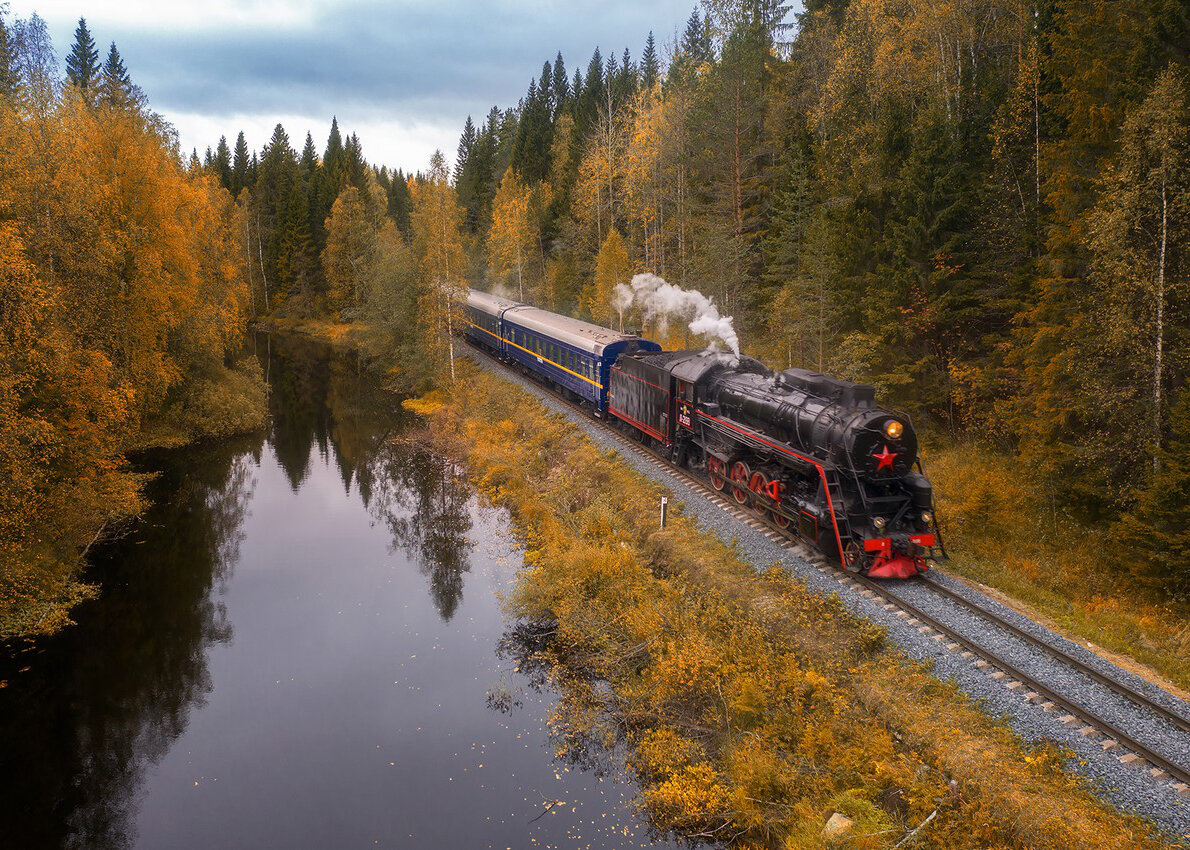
column 403, row 75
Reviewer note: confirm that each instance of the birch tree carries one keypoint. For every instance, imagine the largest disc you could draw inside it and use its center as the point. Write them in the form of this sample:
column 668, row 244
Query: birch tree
column 513, row 230
column 1140, row 228
column 436, row 220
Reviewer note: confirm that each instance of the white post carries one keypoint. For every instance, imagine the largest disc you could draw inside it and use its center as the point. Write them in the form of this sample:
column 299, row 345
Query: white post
column 664, row 507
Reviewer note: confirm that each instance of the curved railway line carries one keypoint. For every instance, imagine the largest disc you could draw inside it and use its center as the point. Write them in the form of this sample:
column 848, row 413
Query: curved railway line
column 1127, row 748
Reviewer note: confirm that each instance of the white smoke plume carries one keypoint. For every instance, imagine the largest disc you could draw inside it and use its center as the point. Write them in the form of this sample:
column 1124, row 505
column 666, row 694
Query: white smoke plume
column 662, row 302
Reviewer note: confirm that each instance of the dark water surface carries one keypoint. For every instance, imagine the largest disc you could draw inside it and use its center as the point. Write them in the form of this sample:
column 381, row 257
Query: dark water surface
column 296, row 647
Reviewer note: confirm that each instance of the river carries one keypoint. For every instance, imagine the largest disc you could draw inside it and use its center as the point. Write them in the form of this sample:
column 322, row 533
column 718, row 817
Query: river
column 297, row 646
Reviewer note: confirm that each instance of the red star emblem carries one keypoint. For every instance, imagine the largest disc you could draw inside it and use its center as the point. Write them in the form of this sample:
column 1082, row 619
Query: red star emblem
column 885, row 458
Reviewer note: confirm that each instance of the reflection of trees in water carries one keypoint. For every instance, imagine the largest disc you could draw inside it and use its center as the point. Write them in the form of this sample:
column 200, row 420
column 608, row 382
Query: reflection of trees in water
column 330, row 400
column 105, row 700
column 423, row 499
column 584, row 729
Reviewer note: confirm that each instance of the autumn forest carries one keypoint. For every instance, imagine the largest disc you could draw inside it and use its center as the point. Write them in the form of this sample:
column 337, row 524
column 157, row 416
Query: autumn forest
column 983, row 208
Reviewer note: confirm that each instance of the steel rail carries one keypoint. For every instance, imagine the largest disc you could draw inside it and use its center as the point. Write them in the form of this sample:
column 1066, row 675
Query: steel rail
column 1125, row 690
column 790, row 540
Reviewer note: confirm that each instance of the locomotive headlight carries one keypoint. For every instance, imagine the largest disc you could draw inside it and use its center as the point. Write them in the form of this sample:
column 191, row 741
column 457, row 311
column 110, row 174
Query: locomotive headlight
column 927, row 517
column 878, row 522
column 894, row 429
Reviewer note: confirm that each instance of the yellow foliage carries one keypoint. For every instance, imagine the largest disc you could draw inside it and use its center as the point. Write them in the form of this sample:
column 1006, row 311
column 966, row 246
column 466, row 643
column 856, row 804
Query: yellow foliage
column 752, row 708
column 422, row 406
column 513, row 232
column 122, row 302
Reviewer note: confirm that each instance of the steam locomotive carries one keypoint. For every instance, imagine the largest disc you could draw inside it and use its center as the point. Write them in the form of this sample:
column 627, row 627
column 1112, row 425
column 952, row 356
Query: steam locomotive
column 814, row 453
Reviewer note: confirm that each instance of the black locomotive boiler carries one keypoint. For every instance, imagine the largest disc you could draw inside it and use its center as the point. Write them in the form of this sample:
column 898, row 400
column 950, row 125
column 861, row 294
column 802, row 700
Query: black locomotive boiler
column 813, row 452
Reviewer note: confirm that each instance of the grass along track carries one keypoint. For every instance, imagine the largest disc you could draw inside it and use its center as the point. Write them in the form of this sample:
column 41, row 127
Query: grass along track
column 1128, row 749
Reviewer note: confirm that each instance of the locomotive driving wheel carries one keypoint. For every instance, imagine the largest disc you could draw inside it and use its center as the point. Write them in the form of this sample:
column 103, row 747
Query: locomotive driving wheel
column 758, row 483
column 781, row 520
column 717, row 470
column 740, row 475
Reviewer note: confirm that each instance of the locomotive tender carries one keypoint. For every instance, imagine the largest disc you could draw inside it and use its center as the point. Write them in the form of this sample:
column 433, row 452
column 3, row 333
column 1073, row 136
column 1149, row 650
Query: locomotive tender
column 812, row 452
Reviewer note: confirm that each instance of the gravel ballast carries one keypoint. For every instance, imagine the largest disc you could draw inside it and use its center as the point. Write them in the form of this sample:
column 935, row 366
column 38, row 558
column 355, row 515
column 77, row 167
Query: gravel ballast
column 1129, row 788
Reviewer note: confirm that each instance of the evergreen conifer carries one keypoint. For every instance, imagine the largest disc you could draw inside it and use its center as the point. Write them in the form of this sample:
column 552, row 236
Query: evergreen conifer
column 650, row 67
column 223, row 163
column 82, row 63
column 115, row 86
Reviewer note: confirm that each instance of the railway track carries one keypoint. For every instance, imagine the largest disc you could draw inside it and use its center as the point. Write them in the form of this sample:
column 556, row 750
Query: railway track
column 1114, row 741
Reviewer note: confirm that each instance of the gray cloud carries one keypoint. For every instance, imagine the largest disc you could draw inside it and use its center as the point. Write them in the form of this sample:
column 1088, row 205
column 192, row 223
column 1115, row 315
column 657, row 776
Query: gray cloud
column 410, row 62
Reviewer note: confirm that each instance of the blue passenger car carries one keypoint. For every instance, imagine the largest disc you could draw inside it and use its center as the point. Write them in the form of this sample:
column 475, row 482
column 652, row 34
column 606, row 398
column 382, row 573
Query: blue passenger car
column 570, row 353
column 482, row 314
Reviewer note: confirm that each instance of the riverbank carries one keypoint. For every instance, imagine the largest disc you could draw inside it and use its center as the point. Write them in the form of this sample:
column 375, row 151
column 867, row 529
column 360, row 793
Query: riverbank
column 43, row 553
column 1001, row 535
column 753, row 708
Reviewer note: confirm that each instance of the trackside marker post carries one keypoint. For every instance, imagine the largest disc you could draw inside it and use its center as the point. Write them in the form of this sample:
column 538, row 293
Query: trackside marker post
column 664, row 509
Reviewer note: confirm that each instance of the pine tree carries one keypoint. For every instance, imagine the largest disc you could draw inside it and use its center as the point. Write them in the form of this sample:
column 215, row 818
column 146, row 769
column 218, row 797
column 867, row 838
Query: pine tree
column 531, row 148
column 82, row 63
column 115, row 86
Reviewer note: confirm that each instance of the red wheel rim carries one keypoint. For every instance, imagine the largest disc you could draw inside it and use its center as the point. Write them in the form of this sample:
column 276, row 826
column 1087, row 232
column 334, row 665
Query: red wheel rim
column 758, row 484
column 781, row 520
column 715, row 471
column 739, row 479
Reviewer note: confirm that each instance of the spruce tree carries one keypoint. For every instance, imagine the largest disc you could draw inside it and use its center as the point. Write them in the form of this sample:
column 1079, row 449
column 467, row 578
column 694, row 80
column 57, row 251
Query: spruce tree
column 355, row 168
column 576, row 88
column 696, row 45
column 332, row 159
column 240, row 165
column 309, row 161
column 278, row 172
column 82, row 63
column 400, row 204
column 561, row 85
column 466, row 146
column 115, row 86
column 223, row 163
column 650, row 67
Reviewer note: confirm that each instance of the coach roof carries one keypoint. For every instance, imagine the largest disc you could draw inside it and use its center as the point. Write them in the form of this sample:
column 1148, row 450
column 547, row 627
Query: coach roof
column 493, row 305
column 582, row 335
